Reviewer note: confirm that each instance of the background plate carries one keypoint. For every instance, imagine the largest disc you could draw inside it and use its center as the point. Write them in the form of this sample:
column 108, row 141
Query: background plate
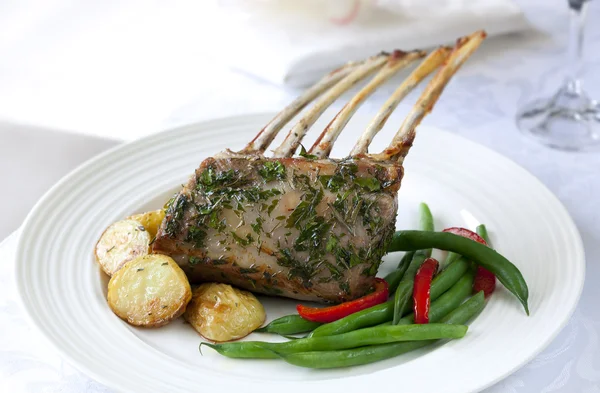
column 465, row 184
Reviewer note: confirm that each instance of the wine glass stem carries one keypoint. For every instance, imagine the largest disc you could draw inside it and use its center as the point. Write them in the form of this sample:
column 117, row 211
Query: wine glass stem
column 575, row 48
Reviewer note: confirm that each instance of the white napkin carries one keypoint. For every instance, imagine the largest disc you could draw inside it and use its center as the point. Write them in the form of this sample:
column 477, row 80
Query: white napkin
column 295, row 42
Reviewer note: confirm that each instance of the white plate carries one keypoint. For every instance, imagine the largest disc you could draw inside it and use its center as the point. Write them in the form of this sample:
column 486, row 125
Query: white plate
column 465, row 184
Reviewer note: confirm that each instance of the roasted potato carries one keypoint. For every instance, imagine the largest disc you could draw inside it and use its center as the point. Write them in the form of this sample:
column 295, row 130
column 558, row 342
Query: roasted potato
column 220, row 312
column 149, row 291
column 150, row 220
column 120, row 243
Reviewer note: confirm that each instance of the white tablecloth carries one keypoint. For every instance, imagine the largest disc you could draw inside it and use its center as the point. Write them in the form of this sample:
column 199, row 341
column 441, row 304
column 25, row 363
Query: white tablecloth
column 479, row 104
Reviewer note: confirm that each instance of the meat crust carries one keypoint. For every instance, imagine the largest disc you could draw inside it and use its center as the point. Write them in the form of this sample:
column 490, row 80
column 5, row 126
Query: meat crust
column 295, row 227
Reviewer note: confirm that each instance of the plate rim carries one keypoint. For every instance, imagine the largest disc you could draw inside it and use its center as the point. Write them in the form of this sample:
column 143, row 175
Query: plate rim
column 26, row 228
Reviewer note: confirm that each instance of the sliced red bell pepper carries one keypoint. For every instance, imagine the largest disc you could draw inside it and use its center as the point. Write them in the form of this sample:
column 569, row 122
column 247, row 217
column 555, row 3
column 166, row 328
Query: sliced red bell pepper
column 422, row 289
column 464, row 232
column 484, row 279
column 333, row 313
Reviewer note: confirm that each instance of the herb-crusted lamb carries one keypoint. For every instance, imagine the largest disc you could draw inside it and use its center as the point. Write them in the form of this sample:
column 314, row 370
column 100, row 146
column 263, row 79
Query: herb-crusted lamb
column 307, row 227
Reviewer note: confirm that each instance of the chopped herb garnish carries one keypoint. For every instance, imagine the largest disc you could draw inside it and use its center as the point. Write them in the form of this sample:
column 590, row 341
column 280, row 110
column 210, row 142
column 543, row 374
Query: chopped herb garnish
column 194, row 260
column 332, row 243
column 272, row 170
column 174, row 214
column 368, row 183
column 242, row 241
column 272, row 206
column 139, row 269
column 248, row 270
column 332, row 182
column 210, row 179
column 302, row 270
column 312, row 235
column 197, row 236
column 304, row 153
column 257, row 226
column 305, row 209
column 344, row 286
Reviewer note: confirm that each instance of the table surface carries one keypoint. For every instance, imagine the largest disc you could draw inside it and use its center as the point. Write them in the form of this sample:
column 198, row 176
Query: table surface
column 479, row 104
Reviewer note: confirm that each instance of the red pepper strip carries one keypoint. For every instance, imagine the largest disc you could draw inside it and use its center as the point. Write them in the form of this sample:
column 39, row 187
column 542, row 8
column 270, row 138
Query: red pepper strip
column 422, row 289
column 484, row 279
column 333, row 313
column 466, row 233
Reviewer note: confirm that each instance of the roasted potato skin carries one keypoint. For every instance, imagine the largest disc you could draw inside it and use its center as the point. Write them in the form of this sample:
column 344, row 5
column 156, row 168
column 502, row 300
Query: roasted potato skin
column 149, row 291
column 121, row 242
column 220, row 312
column 150, row 220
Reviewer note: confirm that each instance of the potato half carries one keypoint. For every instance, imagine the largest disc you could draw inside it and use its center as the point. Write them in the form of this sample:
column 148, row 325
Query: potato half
column 120, row 243
column 149, row 291
column 220, row 312
column 150, row 220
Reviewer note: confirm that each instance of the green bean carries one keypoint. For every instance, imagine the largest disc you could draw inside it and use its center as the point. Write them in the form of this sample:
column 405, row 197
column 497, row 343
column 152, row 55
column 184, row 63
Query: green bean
column 289, row 324
column 447, row 302
column 394, row 278
column 405, row 261
column 354, row 339
column 440, row 284
column 374, row 353
column 450, row 258
column 426, row 222
column 418, row 259
column 368, row 317
column 466, row 311
column 482, row 231
column 242, row 350
column 445, row 299
column 404, row 291
column 384, row 312
column 508, row 274
column 402, row 299
column 448, row 277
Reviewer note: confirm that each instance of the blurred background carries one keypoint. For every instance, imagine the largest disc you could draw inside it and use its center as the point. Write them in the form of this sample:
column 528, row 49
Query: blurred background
column 77, row 77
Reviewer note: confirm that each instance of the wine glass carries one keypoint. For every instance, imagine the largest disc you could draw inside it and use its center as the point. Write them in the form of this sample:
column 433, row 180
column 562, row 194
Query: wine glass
column 570, row 119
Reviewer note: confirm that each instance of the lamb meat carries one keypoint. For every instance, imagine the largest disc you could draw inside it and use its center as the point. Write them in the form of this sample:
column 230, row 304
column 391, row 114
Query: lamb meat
column 307, row 227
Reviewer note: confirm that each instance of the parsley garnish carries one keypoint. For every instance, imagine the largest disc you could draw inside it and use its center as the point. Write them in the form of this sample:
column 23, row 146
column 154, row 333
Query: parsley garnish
column 175, row 209
column 209, row 179
column 196, row 235
column 305, row 209
column 272, row 170
column 332, row 182
column 242, row 241
column 257, row 226
column 368, row 183
column 303, row 153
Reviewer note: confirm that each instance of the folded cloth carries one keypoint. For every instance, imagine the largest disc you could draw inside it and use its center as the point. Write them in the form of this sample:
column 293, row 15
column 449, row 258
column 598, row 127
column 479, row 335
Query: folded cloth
column 295, row 42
